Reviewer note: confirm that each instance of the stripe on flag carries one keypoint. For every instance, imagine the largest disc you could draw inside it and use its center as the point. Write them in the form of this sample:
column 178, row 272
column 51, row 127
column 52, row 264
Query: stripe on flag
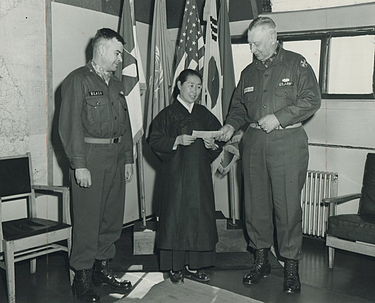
column 190, row 47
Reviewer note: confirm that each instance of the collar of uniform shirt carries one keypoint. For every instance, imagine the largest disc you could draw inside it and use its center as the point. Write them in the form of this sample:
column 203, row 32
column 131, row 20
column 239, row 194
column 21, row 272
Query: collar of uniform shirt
column 188, row 106
column 101, row 72
column 268, row 61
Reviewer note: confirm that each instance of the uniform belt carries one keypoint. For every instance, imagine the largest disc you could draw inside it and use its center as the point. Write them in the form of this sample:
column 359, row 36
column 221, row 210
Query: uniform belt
column 255, row 125
column 102, row 140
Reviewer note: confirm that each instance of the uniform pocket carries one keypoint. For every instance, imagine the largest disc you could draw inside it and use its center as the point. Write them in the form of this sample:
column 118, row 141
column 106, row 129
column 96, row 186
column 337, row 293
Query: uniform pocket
column 96, row 109
column 284, row 91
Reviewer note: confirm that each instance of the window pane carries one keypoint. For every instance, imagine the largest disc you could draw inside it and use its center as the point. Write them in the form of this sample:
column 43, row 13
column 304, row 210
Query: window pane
column 242, row 56
column 310, row 49
column 351, row 65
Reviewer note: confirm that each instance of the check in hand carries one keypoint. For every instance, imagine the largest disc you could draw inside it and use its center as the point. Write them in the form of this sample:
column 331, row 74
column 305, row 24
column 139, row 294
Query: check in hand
column 268, row 123
column 228, row 131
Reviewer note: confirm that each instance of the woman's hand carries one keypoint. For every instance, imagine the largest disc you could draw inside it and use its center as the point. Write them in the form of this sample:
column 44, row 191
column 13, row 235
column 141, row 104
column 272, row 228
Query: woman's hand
column 185, row 140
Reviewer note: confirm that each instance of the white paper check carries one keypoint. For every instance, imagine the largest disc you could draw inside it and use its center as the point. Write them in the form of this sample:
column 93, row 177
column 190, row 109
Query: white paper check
column 206, row 134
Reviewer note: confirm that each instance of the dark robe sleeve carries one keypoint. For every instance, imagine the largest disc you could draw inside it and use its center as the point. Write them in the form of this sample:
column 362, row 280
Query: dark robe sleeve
column 160, row 140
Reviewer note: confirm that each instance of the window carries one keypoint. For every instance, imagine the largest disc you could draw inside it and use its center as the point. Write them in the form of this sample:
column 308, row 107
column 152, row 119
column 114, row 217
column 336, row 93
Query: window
column 343, row 60
column 242, row 56
column 351, row 65
column 310, row 49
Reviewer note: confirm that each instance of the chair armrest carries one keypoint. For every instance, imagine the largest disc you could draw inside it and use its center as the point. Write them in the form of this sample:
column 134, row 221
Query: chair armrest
column 50, row 188
column 341, row 199
column 65, row 198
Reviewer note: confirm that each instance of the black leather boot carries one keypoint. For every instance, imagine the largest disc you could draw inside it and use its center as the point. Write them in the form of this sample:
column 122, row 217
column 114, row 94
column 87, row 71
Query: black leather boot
column 103, row 275
column 292, row 283
column 260, row 269
column 82, row 286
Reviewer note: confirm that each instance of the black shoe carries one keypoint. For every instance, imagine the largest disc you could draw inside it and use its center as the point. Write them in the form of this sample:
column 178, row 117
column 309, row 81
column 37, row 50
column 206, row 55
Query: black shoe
column 197, row 275
column 82, row 286
column 103, row 275
column 292, row 283
column 176, row 276
column 260, row 269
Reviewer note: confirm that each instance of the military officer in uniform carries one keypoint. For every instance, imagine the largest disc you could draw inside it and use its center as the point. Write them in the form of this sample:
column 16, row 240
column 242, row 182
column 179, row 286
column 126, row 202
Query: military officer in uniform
column 95, row 131
column 275, row 94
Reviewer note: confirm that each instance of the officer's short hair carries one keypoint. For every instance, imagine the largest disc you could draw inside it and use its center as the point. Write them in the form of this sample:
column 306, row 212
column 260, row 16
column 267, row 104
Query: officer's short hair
column 262, row 21
column 106, row 34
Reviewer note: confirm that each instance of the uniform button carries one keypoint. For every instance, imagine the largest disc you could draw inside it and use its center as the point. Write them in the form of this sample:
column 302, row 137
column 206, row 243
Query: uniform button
column 264, row 106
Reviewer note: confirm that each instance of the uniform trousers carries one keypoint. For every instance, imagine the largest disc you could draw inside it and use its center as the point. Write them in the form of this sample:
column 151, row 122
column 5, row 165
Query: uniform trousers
column 274, row 168
column 98, row 211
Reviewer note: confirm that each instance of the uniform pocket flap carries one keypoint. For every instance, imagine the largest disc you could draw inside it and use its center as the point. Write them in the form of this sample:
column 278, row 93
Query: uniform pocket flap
column 95, row 101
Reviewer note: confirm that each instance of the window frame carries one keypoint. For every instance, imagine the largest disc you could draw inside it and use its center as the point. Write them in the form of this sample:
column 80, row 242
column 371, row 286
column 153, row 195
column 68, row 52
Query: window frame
column 324, row 36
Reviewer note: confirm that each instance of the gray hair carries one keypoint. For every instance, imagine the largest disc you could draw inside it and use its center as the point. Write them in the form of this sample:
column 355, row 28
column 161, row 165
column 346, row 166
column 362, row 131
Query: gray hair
column 262, row 21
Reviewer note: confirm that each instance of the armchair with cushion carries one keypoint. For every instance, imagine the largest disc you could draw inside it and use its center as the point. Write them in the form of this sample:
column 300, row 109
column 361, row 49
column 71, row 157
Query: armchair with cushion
column 354, row 232
column 28, row 237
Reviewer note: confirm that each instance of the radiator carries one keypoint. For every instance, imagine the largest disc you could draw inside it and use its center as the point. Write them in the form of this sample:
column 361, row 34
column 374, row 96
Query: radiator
column 318, row 185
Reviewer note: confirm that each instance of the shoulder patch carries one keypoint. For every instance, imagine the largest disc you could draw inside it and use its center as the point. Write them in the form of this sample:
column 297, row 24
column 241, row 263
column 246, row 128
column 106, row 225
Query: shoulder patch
column 304, row 63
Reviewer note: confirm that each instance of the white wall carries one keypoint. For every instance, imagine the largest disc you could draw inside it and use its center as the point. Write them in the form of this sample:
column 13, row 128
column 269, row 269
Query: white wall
column 23, row 88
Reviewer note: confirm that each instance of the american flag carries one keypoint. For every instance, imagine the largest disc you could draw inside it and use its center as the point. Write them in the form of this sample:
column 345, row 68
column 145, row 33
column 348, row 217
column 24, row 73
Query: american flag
column 190, row 49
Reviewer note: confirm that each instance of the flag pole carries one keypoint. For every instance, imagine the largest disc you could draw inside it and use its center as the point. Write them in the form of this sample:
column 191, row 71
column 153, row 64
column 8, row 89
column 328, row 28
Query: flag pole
column 141, row 181
column 140, row 168
column 228, row 88
column 232, row 196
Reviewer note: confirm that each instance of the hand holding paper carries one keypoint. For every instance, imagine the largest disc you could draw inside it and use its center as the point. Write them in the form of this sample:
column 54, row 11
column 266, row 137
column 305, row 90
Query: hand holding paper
column 206, row 134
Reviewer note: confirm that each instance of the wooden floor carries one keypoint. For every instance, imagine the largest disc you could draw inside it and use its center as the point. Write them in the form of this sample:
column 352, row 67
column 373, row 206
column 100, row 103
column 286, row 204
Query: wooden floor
column 352, row 280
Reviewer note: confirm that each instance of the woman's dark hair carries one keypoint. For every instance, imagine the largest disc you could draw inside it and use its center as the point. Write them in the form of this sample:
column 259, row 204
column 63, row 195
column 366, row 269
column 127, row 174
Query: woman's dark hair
column 182, row 77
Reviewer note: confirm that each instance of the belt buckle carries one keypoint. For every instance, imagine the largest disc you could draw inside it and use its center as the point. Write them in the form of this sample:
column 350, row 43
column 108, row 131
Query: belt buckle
column 116, row 140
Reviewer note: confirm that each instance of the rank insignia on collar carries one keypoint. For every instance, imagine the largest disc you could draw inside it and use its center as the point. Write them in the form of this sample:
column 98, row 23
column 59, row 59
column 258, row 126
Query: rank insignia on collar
column 304, row 63
column 96, row 93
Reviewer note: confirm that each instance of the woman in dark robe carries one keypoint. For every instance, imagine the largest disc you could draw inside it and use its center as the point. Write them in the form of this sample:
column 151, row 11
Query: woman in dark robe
column 187, row 233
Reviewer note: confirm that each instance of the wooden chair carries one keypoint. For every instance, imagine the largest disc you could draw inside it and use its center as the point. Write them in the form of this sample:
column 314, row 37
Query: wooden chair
column 354, row 232
column 30, row 237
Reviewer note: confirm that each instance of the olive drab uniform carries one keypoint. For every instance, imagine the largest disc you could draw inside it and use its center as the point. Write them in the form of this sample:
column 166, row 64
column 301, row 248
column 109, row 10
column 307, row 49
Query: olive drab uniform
column 95, row 131
column 275, row 164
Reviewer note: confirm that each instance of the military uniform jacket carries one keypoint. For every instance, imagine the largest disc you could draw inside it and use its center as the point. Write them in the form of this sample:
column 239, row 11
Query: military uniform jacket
column 187, row 206
column 91, row 108
column 286, row 88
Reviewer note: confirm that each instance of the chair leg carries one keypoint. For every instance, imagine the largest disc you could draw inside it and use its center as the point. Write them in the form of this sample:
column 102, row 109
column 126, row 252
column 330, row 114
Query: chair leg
column 33, row 266
column 331, row 256
column 9, row 268
column 71, row 272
